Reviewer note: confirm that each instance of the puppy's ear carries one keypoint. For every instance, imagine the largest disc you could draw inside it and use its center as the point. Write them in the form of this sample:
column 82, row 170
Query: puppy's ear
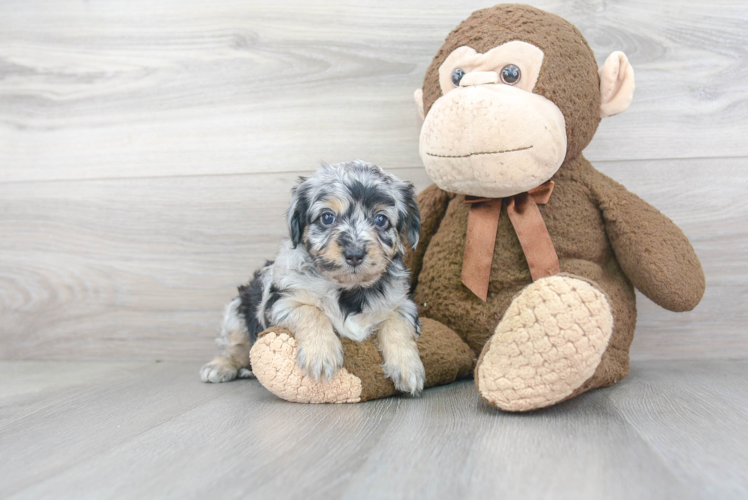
column 297, row 212
column 410, row 221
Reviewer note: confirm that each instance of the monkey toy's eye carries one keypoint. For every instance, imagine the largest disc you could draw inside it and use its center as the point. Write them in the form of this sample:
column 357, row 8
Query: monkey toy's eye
column 457, row 75
column 381, row 221
column 328, row 219
column 510, row 74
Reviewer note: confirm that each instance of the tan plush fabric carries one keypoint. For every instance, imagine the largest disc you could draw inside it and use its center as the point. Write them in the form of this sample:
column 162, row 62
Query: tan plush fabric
column 598, row 229
column 568, row 76
column 616, row 84
column 465, row 153
column 445, row 357
column 607, row 240
column 549, row 342
column 527, row 57
column 273, row 360
column 602, row 233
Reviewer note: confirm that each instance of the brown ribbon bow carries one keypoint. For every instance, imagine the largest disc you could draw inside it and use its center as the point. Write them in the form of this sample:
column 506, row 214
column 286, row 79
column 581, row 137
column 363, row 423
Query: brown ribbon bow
column 483, row 222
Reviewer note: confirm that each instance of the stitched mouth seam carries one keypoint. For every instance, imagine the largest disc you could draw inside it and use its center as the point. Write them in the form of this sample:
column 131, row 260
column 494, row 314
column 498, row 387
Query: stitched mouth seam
column 481, row 153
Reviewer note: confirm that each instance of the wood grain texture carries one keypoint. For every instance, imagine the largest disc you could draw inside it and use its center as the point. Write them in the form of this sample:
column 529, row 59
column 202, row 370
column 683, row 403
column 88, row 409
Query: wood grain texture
column 706, row 402
column 141, row 268
column 33, row 386
column 128, row 269
column 154, row 431
column 147, row 150
column 110, row 89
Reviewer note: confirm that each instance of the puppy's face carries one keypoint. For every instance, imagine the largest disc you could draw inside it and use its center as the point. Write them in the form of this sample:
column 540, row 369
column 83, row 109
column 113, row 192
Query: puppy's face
column 351, row 218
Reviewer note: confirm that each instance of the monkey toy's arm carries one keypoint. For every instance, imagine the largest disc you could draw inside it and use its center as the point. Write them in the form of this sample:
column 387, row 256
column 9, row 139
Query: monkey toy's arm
column 652, row 251
column 432, row 203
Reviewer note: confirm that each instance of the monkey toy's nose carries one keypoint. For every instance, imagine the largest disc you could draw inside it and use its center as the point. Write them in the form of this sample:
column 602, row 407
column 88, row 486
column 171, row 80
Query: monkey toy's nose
column 479, row 78
column 354, row 255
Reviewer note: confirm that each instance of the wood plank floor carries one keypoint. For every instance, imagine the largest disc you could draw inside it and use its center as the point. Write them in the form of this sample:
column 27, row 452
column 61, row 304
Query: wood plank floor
column 152, row 430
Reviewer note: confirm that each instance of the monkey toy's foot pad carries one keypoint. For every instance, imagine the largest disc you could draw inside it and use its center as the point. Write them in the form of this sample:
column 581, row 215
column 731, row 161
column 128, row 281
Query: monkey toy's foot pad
column 273, row 359
column 549, row 342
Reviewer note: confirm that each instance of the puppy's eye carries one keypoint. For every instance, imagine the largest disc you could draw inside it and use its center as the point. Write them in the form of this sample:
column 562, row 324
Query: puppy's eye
column 381, row 221
column 457, row 75
column 328, row 219
column 510, row 74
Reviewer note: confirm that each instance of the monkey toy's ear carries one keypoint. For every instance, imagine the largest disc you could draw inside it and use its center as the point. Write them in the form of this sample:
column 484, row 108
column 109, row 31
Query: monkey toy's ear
column 418, row 94
column 616, row 85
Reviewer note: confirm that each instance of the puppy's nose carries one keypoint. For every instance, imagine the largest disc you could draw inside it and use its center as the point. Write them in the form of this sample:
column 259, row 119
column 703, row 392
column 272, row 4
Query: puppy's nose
column 354, row 255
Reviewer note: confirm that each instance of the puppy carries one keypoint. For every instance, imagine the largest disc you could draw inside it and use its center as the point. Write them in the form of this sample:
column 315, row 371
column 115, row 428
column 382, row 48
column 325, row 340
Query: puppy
column 340, row 273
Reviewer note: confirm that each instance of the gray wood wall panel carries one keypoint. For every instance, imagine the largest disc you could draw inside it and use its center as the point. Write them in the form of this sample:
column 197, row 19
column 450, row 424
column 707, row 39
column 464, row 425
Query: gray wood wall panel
column 147, row 150
column 131, row 268
column 116, row 89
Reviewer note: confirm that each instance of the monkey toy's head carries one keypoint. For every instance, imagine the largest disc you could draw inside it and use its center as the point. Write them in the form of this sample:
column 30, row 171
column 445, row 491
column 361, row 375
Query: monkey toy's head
column 513, row 93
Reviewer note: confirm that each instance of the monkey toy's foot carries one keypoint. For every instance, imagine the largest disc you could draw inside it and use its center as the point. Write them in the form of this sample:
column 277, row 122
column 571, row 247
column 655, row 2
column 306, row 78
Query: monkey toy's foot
column 548, row 344
column 445, row 357
column 273, row 359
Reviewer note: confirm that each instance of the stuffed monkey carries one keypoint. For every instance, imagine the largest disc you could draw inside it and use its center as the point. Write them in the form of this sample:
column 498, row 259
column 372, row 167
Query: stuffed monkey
column 528, row 257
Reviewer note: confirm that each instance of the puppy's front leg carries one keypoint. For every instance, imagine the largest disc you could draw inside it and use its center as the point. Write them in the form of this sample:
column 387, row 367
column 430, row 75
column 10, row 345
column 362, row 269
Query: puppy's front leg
column 320, row 353
column 402, row 364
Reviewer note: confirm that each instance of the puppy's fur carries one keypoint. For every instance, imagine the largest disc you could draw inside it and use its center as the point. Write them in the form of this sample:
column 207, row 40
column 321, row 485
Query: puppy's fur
column 340, row 272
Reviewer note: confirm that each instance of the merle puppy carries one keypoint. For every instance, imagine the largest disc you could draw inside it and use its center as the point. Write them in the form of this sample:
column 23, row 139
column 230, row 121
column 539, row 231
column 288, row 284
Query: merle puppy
column 341, row 273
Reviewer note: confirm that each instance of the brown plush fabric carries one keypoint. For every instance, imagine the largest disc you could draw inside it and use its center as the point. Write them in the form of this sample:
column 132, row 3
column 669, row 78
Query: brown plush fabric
column 601, row 233
column 567, row 59
column 445, row 357
column 549, row 343
column 364, row 360
column 432, row 202
column 480, row 238
column 584, row 218
column 655, row 255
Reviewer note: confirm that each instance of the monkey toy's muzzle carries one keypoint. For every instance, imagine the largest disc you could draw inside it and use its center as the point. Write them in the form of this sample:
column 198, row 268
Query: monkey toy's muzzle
column 492, row 140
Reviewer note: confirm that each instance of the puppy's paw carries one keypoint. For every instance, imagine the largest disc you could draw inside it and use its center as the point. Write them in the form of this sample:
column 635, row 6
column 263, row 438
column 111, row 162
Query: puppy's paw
column 217, row 371
column 406, row 371
column 320, row 357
